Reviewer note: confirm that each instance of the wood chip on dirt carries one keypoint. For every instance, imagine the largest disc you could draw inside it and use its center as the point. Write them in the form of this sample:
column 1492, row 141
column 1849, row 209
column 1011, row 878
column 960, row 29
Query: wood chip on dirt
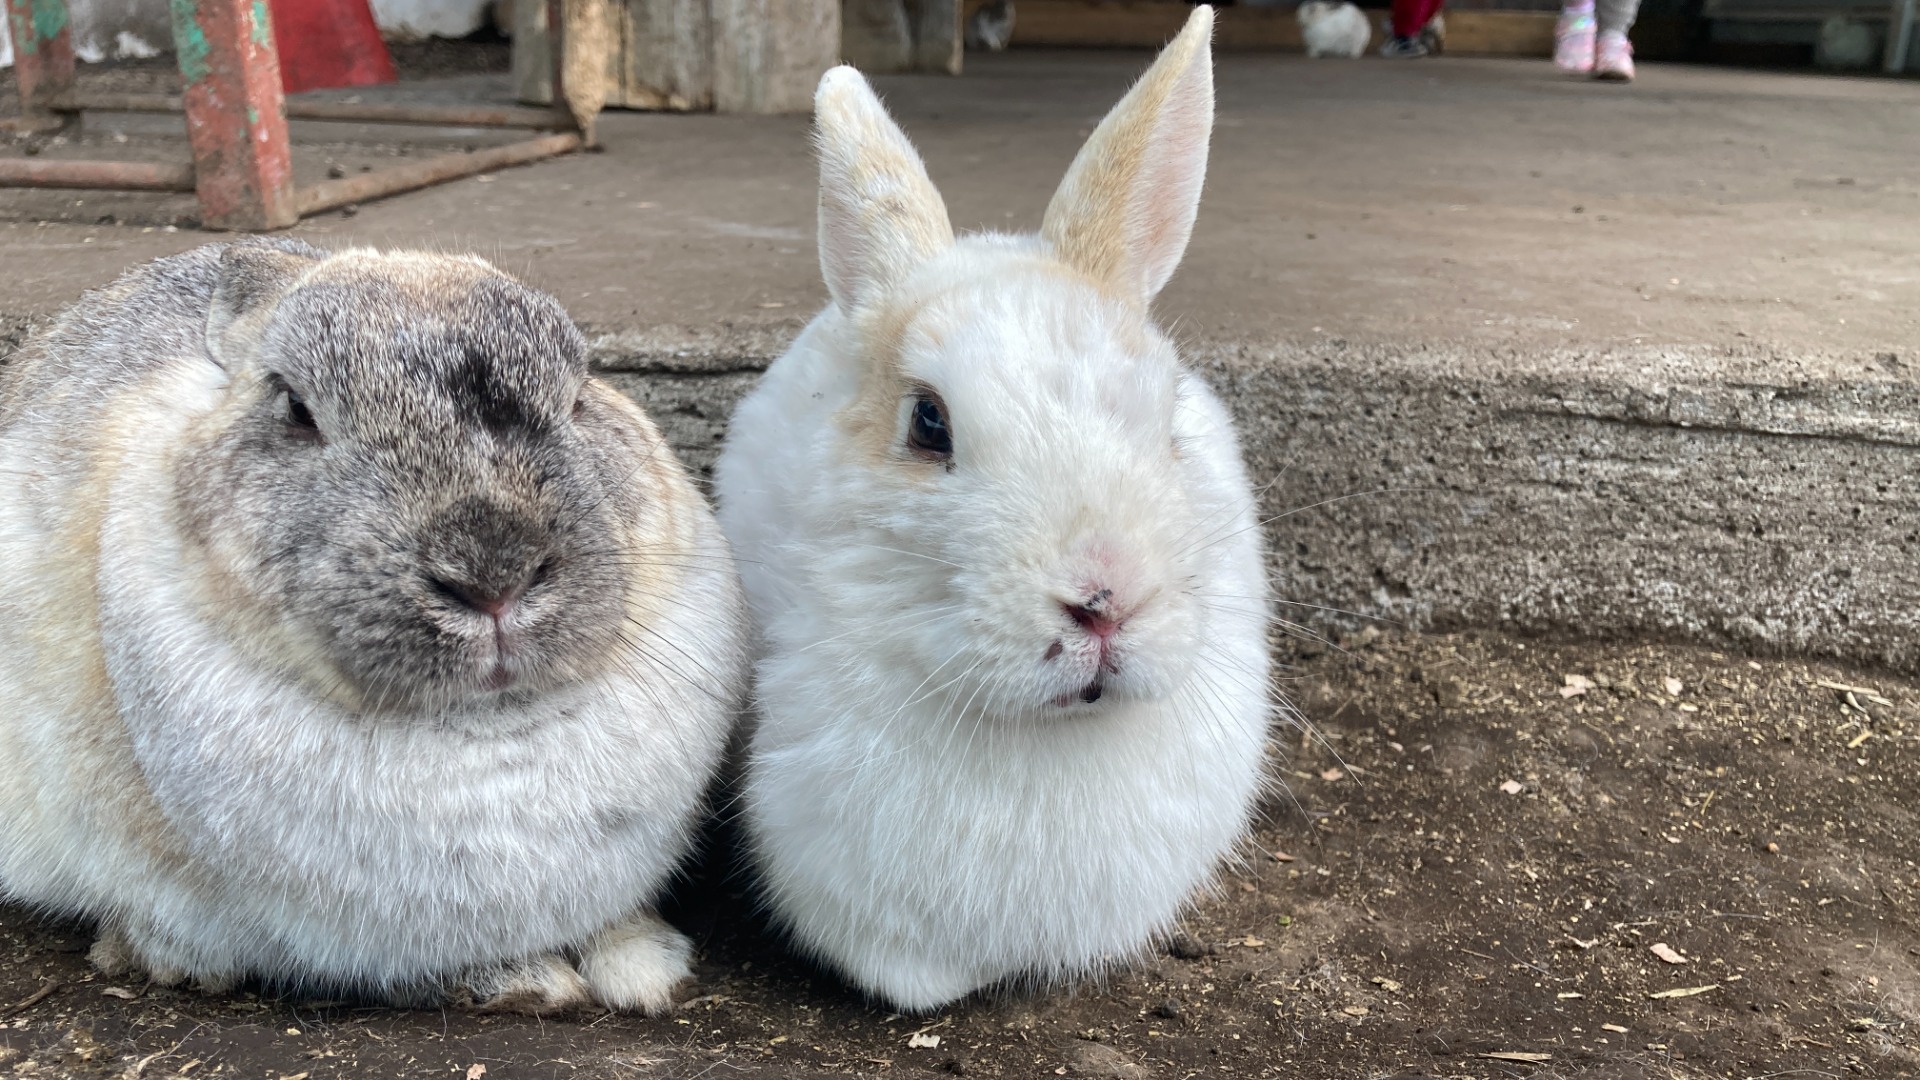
column 1683, row 991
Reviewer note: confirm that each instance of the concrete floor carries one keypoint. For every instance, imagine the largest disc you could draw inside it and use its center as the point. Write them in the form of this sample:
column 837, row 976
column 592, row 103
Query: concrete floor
column 1657, row 346
column 1472, row 201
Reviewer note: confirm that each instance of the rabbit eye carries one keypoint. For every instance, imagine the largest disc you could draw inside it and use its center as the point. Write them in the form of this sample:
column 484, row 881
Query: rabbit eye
column 299, row 417
column 927, row 433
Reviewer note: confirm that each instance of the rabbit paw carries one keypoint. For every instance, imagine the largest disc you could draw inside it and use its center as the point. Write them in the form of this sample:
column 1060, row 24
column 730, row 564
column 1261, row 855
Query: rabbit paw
column 539, row 984
column 117, row 957
column 633, row 966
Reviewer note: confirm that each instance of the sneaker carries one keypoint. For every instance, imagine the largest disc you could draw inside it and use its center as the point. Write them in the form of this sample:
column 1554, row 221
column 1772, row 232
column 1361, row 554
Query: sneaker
column 1403, row 47
column 1613, row 61
column 1573, row 41
column 1434, row 35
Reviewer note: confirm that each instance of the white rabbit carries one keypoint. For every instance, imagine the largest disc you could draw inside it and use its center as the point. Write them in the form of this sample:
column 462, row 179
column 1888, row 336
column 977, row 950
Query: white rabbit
column 352, row 635
column 1004, row 557
column 1333, row 28
column 990, row 28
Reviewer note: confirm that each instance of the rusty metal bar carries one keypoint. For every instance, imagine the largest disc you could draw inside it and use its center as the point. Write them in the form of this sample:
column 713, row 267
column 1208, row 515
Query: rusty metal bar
column 42, row 59
column 440, row 115
column 332, row 194
column 236, row 116
column 115, row 175
column 349, row 112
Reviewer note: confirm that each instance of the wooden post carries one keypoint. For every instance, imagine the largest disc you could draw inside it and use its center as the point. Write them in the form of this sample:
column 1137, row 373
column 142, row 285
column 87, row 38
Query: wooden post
column 768, row 55
column 885, row 36
column 659, row 54
column 236, row 115
column 42, row 60
column 939, row 35
column 731, row 55
column 876, row 36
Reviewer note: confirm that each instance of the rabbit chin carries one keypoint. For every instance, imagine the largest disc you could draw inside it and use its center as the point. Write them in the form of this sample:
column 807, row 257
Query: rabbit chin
column 1018, row 679
column 475, row 667
column 1146, row 664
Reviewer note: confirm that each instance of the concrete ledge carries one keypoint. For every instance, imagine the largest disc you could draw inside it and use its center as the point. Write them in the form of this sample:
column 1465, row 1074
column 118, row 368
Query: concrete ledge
column 1746, row 499
column 1615, row 359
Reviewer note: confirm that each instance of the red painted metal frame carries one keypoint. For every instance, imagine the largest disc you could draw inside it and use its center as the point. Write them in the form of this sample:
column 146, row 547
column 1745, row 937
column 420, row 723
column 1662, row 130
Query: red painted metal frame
column 42, row 60
column 236, row 115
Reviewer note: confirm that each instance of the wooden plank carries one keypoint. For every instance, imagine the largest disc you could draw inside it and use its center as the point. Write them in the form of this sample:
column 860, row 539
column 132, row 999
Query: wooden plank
column 875, row 36
column 666, row 56
column 939, row 35
column 768, row 55
column 1149, row 24
column 886, row 36
column 662, row 58
column 1500, row 33
column 236, row 115
column 1143, row 24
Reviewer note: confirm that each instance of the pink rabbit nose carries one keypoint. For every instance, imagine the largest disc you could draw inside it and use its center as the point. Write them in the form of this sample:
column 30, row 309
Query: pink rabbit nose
column 1096, row 615
column 494, row 603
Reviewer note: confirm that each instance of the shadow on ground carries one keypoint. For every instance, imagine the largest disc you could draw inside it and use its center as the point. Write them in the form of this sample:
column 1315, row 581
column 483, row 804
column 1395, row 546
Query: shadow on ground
column 1484, row 869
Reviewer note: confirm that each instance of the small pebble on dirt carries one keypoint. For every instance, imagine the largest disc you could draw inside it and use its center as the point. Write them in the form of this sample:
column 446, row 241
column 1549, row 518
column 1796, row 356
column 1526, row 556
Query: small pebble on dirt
column 1184, row 946
column 1098, row 1059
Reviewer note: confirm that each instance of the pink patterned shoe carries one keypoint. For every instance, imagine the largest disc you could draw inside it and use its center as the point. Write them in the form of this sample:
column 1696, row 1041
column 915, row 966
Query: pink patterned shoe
column 1614, row 59
column 1573, row 40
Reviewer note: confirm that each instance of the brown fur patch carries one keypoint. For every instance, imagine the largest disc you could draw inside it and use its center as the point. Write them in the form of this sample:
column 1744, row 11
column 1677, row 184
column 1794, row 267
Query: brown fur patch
column 872, row 420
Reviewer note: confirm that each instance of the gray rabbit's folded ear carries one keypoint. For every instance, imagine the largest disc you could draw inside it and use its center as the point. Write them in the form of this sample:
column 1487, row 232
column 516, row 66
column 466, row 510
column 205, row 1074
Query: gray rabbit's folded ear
column 253, row 276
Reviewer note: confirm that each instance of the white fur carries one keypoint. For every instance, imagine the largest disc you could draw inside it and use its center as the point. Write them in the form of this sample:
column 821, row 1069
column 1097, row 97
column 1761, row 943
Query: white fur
column 232, row 824
column 1333, row 28
column 925, row 816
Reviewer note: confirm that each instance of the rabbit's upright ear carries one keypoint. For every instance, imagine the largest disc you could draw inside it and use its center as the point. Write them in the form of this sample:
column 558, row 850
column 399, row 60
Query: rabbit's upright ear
column 879, row 214
column 1126, row 207
column 252, row 277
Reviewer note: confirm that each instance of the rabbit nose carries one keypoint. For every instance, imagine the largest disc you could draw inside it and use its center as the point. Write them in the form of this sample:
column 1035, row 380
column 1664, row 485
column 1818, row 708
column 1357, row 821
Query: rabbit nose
column 490, row 601
column 1096, row 615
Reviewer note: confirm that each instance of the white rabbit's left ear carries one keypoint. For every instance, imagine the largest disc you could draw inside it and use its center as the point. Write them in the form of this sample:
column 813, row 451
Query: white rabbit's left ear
column 880, row 216
column 1126, row 207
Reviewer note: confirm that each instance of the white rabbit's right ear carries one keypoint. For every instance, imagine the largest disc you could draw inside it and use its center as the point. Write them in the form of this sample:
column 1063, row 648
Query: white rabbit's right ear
column 1124, row 212
column 253, row 276
column 880, row 216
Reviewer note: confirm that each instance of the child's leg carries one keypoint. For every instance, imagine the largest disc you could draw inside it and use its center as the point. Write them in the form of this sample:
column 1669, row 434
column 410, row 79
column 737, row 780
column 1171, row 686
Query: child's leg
column 1616, row 15
column 1573, row 37
column 1410, row 16
column 1613, row 54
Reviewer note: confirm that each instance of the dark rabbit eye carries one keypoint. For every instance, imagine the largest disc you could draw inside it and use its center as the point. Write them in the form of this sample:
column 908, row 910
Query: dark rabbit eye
column 299, row 416
column 927, row 433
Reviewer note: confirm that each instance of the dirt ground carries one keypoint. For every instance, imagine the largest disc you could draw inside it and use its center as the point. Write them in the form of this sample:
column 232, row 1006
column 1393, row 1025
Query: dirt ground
column 1477, row 869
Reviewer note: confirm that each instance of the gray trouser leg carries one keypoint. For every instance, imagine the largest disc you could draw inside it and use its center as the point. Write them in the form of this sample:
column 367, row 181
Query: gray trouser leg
column 1615, row 14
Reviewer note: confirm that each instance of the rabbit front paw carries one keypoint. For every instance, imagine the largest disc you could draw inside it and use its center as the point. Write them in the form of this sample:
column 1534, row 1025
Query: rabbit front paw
column 117, row 955
column 538, row 985
column 633, row 966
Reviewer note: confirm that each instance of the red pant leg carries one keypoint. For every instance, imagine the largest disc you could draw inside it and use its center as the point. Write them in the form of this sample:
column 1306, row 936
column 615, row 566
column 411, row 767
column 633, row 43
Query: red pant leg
column 1410, row 16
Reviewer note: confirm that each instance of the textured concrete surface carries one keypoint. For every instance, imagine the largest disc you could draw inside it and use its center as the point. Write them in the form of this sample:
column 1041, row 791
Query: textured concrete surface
column 1514, row 350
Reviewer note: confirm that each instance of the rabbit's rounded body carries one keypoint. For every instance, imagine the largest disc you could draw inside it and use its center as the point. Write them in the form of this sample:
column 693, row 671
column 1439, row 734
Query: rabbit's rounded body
column 183, row 764
column 1006, row 565
column 1333, row 28
column 928, row 853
